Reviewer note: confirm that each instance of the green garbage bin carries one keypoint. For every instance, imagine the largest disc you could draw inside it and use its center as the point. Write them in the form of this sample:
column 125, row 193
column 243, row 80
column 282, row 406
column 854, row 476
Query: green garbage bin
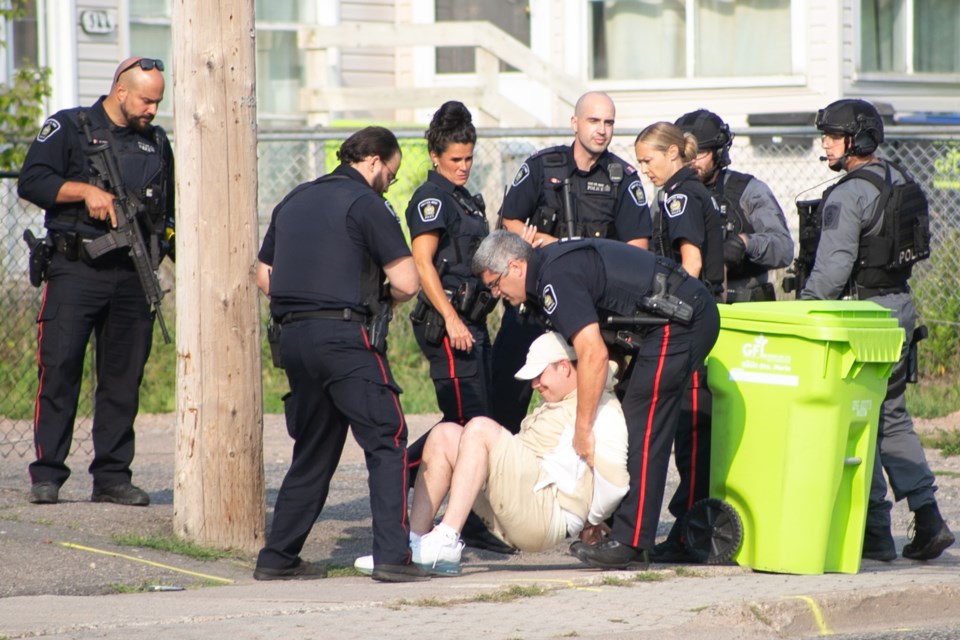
column 797, row 388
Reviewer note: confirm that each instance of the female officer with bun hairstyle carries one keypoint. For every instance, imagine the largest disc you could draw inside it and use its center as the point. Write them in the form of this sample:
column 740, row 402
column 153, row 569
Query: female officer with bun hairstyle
column 686, row 228
column 446, row 226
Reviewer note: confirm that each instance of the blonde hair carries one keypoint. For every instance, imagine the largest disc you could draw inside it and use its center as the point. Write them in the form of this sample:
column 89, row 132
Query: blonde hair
column 660, row 135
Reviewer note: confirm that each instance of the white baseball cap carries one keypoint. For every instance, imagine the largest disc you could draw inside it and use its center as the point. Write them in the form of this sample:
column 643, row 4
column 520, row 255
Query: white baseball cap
column 545, row 350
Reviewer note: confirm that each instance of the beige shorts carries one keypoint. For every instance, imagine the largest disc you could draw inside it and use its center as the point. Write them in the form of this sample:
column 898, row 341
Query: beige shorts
column 527, row 519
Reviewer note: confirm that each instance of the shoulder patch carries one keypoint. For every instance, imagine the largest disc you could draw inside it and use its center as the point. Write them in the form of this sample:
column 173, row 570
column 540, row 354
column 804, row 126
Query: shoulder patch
column 390, row 209
column 831, row 216
column 630, row 169
column 676, row 204
column 549, row 298
column 49, row 128
column 522, row 174
column 636, row 192
column 429, row 209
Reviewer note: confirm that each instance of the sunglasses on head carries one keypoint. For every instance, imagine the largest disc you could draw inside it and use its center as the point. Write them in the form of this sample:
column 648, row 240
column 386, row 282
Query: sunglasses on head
column 146, row 64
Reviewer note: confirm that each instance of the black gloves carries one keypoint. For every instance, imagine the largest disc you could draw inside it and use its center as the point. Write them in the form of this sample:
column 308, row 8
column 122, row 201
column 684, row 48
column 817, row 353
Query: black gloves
column 734, row 251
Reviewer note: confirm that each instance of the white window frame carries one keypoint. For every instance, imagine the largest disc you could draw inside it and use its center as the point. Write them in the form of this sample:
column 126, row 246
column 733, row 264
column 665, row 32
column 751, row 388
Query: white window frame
column 796, row 78
column 910, row 75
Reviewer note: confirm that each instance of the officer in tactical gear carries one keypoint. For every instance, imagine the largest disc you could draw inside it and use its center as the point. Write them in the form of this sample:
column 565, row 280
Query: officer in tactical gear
column 857, row 258
column 96, row 292
column 330, row 247
column 755, row 235
column 606, row 200
column 586, row 287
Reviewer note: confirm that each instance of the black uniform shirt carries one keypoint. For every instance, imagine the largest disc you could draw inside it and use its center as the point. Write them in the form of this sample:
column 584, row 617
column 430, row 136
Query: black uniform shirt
column 434, row 207
column 571, row 288
column 684, row 203
column 320, row 239
column 628, row 211
column 58, row 156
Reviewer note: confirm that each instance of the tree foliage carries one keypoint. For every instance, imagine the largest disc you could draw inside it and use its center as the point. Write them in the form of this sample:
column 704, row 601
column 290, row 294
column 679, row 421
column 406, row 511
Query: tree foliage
column 21, row 102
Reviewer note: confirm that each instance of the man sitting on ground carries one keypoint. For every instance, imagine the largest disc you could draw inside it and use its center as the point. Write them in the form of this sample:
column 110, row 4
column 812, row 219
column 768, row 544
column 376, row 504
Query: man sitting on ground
column 531, row 489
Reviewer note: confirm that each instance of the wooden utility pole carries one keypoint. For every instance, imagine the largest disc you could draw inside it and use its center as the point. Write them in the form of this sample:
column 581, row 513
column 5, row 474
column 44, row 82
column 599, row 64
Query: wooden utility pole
column 218, row 488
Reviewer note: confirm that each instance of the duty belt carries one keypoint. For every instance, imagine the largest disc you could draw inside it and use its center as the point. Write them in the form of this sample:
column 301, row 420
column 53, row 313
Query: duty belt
column 865, row 293
column 324, row 314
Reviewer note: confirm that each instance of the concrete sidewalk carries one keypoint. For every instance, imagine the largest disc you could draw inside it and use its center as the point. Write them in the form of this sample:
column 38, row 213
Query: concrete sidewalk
column 49, row 553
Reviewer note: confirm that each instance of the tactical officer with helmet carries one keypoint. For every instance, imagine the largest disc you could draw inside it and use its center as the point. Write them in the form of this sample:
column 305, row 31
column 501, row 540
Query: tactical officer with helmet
column 874, row 228
column 600, row 294
column 755, row 234
column 334, row 261
column 606, row 200
column 92, row 283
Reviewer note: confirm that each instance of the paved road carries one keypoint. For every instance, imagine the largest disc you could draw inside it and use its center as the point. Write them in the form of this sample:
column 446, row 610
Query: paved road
column 63, row 575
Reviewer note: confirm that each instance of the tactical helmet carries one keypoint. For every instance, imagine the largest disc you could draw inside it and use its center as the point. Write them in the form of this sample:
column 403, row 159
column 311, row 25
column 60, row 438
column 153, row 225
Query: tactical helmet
column 857, row 119
column 712, row 134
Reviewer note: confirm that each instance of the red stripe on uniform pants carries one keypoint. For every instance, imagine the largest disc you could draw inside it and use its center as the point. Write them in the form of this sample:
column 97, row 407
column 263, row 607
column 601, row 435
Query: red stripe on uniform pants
column 36, row 403
column 646, row 435
column 452, row 372
column 693, row 439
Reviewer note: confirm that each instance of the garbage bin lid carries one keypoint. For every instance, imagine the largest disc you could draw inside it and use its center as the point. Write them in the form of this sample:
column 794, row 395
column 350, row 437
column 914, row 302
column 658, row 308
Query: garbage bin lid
column 872, row 333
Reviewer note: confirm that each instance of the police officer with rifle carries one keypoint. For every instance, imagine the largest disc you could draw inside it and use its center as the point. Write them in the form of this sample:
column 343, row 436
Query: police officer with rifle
column 873, row 227
column 104, row 175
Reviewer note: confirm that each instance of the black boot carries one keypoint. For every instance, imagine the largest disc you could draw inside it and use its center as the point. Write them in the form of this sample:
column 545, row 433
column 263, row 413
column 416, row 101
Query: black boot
column 878, row 544
column 930, row 534
column 671, row 550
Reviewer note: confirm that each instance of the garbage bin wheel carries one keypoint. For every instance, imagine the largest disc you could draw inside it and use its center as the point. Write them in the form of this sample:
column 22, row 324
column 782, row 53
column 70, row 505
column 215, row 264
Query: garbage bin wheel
column 712, row 531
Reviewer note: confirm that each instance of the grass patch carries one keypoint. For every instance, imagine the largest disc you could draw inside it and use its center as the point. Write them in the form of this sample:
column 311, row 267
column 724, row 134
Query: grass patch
column 933, row 397
column 127, row 588
column 947, row 474
column 648, row 576
column 948, row 442
column 760, row 615
column 171, row 545
column 344, row 572
column 615, row 581
column 684, row 572
column 515, row 592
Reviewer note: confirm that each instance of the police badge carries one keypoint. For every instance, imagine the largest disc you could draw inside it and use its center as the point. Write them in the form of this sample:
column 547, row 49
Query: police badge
column 521, row 174
column 429, row 209
column 636, row 192
column 675, row 204
column 49, row 128
column 549, row 298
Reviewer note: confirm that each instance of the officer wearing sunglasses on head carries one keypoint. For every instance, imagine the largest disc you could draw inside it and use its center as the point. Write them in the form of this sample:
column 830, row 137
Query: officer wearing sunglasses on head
column 93, row 286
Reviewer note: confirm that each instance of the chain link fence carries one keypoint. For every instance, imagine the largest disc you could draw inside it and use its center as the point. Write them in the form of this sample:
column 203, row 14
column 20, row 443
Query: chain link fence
column 786, row 158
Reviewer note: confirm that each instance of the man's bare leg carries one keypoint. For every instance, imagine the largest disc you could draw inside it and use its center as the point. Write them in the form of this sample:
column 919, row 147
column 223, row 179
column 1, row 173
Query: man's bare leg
column 470, row 469
column 433, row 479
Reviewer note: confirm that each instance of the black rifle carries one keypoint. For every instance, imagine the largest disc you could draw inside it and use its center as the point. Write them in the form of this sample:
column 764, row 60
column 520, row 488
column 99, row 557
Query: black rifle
column 128, row 232
column 568, row 209
column 810, row 225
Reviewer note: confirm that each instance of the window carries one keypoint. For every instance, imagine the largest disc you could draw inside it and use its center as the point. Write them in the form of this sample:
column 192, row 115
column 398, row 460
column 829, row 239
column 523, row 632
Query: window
column 279, row 61
column 513, row 16
column 909, row 36
column 20, row 47
column 636, row 39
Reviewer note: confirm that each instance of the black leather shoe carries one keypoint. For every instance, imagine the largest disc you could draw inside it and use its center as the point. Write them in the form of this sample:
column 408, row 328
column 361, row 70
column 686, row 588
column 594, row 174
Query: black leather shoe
column 399, row 573
column 303, row 571
column 123, row 493
column 931, row 535
column 45, row 493
column 477, row 536
column 878, row 544
column 611, row 554
column 671, row 551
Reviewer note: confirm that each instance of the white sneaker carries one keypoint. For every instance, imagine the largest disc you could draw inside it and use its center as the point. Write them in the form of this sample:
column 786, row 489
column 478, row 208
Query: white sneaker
column 364, row 564
column 438, row 553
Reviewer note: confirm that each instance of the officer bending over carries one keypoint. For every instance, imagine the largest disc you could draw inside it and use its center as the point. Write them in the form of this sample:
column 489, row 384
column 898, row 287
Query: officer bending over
column 597, row 293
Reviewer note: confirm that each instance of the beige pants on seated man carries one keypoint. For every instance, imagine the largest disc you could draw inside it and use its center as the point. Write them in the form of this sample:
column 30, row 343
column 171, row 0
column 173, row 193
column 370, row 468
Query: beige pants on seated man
column 531, row 489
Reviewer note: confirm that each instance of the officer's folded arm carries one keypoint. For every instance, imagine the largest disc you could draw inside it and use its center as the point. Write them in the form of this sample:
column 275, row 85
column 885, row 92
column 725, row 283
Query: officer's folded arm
column 404, row 281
